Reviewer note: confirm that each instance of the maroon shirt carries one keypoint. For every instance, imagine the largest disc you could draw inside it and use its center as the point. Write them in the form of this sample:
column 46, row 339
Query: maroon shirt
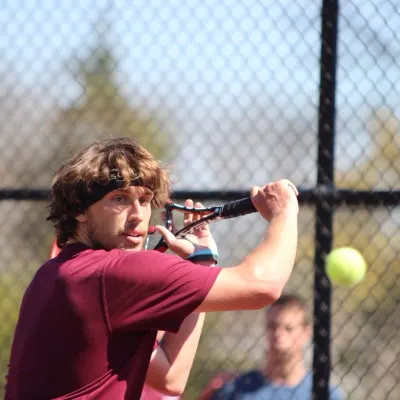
column 89, row 319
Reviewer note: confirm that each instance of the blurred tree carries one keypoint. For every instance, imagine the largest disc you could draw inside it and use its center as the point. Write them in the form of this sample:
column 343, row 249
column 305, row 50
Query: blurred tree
column 10, row 296
column 380, row 168
column 373, row 232
column 103, row 112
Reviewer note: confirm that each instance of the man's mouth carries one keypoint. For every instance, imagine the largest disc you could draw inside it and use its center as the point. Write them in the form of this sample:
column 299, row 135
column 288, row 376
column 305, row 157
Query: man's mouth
column 135, row 237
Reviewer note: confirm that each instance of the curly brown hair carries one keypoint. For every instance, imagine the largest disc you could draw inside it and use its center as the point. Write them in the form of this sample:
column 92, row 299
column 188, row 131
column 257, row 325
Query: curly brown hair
column 97, row 169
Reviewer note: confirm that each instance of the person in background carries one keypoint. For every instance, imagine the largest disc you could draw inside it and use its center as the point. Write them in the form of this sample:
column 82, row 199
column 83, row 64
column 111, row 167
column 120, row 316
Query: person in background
column 285, row 375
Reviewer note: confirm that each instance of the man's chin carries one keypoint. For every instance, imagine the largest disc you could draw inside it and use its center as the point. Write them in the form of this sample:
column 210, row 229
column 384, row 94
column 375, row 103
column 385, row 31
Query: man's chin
column 126, row 245
column 282, row 352
column 131, row 247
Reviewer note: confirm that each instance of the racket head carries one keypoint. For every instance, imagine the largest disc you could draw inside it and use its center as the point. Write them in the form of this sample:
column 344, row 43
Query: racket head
column 159, row 216
column 172, row 217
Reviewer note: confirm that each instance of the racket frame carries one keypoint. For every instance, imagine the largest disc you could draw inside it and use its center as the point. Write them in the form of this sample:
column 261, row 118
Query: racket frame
column 212, row 214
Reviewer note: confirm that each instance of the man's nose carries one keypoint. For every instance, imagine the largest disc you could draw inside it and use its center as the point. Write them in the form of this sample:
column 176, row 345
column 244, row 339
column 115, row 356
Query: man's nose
column 135, row 212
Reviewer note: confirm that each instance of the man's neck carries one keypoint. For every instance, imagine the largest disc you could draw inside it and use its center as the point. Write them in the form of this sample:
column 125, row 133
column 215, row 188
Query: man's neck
column 81, row 237
column 288, row 372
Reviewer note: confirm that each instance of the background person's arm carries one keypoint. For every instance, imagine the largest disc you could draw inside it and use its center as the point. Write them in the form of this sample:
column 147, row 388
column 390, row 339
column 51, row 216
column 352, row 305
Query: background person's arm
column 172, row 361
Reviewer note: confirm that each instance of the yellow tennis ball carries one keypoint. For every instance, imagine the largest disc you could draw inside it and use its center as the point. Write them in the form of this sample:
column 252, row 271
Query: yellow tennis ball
column 345, row 266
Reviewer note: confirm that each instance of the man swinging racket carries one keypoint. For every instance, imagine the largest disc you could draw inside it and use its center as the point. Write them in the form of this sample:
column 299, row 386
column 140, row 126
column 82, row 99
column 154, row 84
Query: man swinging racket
column 89, row 318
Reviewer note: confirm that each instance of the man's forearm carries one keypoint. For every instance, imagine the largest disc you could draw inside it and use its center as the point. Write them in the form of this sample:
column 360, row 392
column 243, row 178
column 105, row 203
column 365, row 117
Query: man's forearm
column 180, row 349
column 273, row 259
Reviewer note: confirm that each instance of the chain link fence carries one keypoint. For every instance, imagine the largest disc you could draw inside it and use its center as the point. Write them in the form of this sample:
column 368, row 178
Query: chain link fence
column 226, row 94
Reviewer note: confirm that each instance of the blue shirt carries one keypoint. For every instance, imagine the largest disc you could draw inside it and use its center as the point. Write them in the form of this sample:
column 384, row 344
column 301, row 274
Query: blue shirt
column 253, row 386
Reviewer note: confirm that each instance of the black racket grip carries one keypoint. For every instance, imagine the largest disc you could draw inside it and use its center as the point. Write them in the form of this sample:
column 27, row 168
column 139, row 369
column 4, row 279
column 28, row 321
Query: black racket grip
column 237, row 208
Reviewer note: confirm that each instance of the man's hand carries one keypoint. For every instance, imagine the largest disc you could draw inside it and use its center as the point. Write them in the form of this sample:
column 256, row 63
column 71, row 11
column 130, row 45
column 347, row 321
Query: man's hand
column 274, row 198
column 201, row 238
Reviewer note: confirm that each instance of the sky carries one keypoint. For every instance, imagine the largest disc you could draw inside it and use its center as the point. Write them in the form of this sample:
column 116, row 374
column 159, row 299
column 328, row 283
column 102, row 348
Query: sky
column 218, row 70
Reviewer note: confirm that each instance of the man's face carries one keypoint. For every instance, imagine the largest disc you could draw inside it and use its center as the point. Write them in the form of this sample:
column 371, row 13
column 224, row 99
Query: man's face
column 120, row 219
column 287, row 331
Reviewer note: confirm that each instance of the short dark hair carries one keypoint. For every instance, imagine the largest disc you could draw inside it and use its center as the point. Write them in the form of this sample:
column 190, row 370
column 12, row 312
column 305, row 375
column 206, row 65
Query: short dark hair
column 292, row 301
column 96, row 170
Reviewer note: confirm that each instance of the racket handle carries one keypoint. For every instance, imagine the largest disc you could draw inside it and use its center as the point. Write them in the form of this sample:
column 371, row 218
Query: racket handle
column 237, row 208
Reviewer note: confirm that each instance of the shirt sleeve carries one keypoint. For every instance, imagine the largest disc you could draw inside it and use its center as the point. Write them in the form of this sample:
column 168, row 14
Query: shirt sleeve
column 149, row 290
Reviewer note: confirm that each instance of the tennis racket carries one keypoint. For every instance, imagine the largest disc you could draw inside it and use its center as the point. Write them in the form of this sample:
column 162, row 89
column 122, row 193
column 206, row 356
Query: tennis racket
column 168, row 217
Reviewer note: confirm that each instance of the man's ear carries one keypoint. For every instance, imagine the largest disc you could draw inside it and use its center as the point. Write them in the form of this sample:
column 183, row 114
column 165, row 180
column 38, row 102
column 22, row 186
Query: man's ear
column 81, row 217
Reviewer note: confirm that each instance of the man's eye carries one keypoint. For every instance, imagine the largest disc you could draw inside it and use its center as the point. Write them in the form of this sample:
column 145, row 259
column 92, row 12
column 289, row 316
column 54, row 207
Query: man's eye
column 118, row 199
column 145, row 201
column 271, row 327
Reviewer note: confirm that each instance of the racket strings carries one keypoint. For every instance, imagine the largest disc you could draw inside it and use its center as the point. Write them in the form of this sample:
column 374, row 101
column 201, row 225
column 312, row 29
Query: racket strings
column 173, row 217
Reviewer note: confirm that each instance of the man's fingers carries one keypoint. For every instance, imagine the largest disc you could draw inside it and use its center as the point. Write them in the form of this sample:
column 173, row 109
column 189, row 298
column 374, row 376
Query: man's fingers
column 166, row 234
column 294, row 188
column 188, row 216
column 254, row 190
column 181, row 247
column 196, row 217
column 192, row 217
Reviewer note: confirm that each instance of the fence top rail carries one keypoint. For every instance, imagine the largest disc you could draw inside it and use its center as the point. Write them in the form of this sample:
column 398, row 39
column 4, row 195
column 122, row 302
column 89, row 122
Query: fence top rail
column 307, row 196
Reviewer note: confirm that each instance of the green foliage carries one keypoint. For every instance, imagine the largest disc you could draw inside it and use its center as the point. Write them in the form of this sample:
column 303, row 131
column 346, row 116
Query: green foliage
column 361, row 228
column 102, row 111
column 381, row 163
column 11, row 292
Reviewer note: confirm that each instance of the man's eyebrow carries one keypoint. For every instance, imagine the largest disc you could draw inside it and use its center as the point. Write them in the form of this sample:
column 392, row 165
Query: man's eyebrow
column 148, row 191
